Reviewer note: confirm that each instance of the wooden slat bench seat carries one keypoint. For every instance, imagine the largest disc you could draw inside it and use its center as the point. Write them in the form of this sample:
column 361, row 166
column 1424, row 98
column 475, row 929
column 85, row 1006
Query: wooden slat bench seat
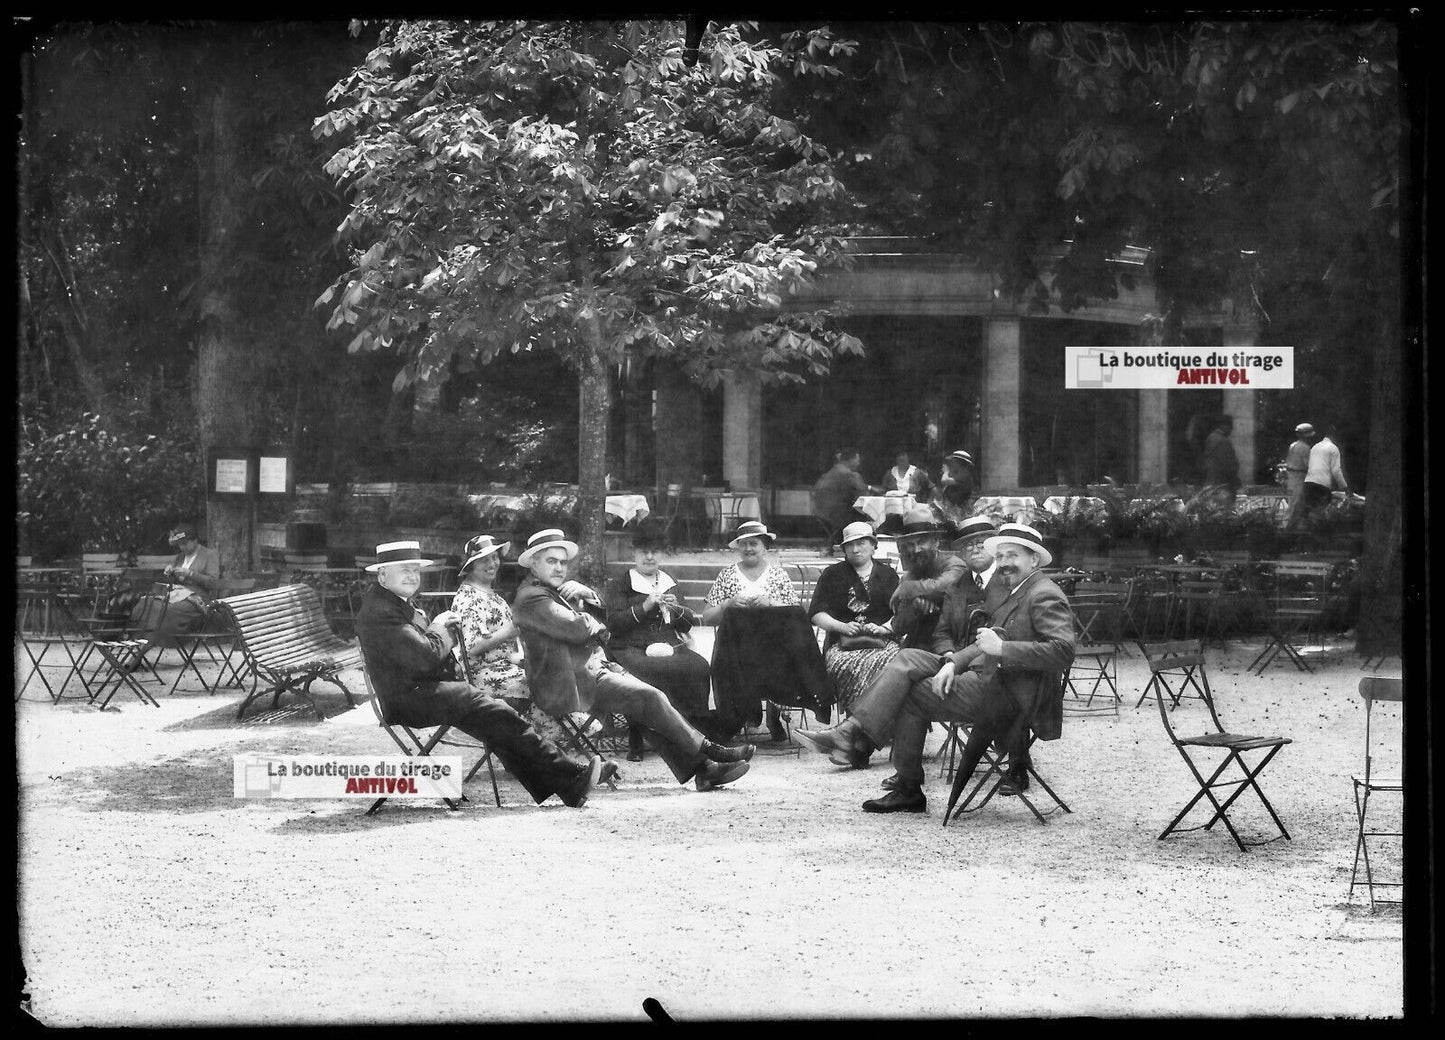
column 288, row 644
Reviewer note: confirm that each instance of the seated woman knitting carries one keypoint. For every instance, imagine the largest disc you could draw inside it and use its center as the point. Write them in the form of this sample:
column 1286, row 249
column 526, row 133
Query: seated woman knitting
column 649, row 620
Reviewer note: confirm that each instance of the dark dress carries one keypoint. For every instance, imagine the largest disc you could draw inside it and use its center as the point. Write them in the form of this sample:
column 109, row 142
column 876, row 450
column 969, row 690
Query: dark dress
column 841, row 595
column 685, row 675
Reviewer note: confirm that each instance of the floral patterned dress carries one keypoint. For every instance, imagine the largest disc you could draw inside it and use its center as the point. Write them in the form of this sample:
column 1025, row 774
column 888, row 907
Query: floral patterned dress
column 483, row 611
column 774, row 582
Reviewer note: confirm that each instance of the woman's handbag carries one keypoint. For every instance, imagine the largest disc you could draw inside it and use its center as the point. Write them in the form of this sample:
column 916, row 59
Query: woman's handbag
column 861, row 643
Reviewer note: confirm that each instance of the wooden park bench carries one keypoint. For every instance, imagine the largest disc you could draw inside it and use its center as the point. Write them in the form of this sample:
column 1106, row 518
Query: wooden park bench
column 288, row 644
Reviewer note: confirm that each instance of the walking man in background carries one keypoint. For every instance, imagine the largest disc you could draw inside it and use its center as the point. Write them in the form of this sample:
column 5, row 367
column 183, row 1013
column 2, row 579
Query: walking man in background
column 1296, row 465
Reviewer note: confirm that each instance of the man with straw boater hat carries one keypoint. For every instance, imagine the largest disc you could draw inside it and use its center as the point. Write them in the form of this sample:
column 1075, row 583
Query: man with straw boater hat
column 409, row 664
column 568, row 668
column 1005, row 683
column 928, row 574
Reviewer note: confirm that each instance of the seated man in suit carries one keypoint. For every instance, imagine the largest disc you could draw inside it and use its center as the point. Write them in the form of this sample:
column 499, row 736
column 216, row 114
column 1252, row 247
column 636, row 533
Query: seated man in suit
column 568, row 669
column 409, row 662
column 1005, row 683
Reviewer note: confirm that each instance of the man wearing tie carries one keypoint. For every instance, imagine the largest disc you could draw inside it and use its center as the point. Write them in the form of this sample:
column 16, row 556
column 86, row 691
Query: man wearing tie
column 568, row 669
column 409, row 664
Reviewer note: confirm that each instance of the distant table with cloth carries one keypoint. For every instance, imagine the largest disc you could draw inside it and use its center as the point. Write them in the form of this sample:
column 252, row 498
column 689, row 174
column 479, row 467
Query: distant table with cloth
column 726, row 509
column 768, row 653
column 626, row 507
column 877, row 508
column 1077, row 504
column 1021, row 507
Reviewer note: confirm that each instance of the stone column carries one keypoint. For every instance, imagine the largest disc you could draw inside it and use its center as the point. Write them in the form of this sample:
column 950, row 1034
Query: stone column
column 1153, row 436
column 743, row 429
column 998, row 466
column 1240, row 406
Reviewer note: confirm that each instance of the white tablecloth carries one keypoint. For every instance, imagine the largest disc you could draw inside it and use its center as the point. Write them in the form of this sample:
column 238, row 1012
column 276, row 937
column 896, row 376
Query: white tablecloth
column 1079, row 504
column 1021, row 507
column 626, row 508
column 879, row 507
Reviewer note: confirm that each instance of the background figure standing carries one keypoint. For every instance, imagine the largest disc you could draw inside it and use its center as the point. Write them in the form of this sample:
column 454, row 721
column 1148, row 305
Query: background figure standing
column 1296, row 465
column 1221, row 464
column 837, row 490
column 1324, row 476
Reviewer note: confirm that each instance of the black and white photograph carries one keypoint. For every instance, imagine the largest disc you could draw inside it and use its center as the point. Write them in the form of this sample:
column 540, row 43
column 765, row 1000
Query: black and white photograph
column 638, row 517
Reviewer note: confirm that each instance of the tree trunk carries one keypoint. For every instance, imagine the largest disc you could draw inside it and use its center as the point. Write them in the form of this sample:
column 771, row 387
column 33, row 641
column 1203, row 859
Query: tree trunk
column 225, row 377
column 1381, row 571
column 594, row 405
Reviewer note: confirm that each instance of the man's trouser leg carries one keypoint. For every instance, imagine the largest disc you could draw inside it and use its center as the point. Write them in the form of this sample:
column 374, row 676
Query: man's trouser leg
column 536, row 762
column 676, row 740
column 974, row 698
column 877, row 707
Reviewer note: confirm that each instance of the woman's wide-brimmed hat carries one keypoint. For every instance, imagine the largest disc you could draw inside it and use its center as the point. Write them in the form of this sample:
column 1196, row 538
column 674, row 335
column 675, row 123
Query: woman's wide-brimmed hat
column 917, row 522
column 857, row 531
column 751, row 529
column 478, row 547
column 1022, row 535
column 180, row 533
column 397, row 552
column 546, row 539
column 973, row 527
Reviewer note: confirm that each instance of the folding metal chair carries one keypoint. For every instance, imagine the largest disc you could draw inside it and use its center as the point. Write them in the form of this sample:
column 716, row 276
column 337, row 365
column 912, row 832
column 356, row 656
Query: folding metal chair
column 1176, row 668
column 217, row 636
column 1375, row 688
column 994, row 764
column 413, row 745
column 1296, row 608
column 1162, row 660
column 1198, row 597
column 1098, row 609
column 113, row 637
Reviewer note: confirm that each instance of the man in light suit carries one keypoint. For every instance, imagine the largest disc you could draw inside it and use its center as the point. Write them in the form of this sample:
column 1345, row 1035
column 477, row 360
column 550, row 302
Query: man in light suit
column 1004, row 684
column 568, row 669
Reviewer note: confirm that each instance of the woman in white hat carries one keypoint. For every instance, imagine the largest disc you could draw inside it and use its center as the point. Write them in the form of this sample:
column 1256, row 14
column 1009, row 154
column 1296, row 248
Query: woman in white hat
column 850, row 603
column 751, row 582
column 489, row 636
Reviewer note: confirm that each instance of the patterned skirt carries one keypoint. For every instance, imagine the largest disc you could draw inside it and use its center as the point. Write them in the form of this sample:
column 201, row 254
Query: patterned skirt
column 853, row 671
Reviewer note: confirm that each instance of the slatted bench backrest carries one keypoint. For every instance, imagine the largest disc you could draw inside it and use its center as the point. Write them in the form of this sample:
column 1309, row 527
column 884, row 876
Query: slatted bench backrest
column 285, row 626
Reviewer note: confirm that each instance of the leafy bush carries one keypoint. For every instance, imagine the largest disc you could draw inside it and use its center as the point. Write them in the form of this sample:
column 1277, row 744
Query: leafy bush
column 432, row 505
column 88, row 488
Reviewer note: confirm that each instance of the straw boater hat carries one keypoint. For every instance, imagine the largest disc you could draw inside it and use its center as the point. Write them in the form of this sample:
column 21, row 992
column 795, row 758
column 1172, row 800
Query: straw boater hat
column 751, row 529
column 959, row 456
column 973, row 527
column 1019, row 534
column 857, row 531
column 478, row 547
column 397, row 552
column 918, row 522
column 1304, row 427
column 548, row 539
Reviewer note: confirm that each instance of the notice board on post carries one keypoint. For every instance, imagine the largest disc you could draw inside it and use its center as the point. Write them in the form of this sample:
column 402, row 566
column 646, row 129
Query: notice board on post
column 230, row 472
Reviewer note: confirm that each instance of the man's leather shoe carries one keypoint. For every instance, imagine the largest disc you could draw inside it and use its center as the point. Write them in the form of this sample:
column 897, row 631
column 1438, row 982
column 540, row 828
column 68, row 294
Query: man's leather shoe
column 576, row 794
column 856, row 757
column 720, row 753
column 827, row 741
column 889, row 782
column 1015, row 781
column 609, row 772
column 903, row 798
column 715, row 774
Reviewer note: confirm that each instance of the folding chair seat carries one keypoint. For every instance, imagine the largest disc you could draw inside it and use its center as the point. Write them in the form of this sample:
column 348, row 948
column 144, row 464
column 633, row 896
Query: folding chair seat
column 1374, row 688
column 1176, row 668
column 1163, row 659
column 414, row 745
column 118, row 639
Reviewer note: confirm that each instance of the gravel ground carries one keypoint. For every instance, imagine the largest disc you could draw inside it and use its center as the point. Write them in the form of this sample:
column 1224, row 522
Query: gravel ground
column 150, row 897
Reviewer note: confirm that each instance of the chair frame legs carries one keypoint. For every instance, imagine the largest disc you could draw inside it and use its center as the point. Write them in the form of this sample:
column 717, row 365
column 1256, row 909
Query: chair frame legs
column 1362, row 847
column 993, row 778
column 1221, row 809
